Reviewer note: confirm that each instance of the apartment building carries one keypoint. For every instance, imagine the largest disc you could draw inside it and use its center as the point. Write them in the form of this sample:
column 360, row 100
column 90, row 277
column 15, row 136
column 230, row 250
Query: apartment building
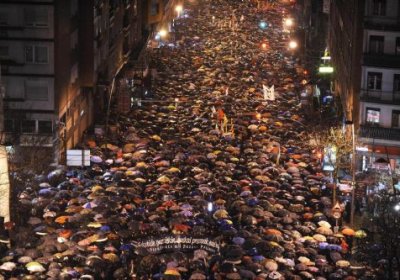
column 364, row 41
column 380, row 81
column 58, row 60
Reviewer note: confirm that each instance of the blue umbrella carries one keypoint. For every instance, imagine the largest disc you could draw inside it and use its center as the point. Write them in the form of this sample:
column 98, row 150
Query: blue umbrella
column 258, row 258
column 126, row 247
column 323, row 245
column 105, row 228
column 238, row 240
column 96, row 159
column 44, row 192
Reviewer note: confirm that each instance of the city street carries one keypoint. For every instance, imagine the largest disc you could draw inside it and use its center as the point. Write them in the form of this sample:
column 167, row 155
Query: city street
column 211, row 178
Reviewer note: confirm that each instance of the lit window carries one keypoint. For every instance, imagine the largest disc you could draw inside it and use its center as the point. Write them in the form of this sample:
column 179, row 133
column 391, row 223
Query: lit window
column 374, row 80
column 373, row 115
column 37, row 54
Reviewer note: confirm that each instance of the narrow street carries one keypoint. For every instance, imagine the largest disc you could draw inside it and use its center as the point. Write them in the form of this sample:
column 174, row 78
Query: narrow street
column 211, row 178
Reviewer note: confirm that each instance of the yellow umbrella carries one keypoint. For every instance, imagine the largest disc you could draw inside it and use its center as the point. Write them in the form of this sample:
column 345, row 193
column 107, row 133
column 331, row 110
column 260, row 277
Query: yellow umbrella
column 34, row 267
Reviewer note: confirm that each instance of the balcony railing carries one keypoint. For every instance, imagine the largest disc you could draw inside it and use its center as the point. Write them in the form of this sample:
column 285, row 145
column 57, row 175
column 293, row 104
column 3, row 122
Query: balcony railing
column 381, row 60
column 374, row 132
column 382, row 97
column 384, row 23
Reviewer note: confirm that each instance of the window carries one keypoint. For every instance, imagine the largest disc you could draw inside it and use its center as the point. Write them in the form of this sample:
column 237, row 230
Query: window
column 28, row 126
column 376, row 44
column 396, row 82
column 45, row 126
column 36, row 17
column 374, row 80
column 379, row 7
column 155, row 8
column 373, row 115
column 36, row 90
column 3, row 18
column 3, row 51
column 397, row 48
column 37, row 54
column 396, row 118
column 74, row 7
column 9, row 125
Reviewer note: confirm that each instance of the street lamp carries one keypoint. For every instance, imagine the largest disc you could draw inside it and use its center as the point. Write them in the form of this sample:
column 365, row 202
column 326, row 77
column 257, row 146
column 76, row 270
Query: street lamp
column 289, row 22
column 162, row 33
column 179, row 9
column 293, row 45
column 263, row 25
column 264, row 46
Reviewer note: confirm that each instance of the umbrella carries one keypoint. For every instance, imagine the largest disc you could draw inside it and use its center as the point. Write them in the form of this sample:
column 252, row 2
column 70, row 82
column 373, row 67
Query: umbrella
column 62, row 219
column 8, row 266
column 324, row 231
column 360, row 234
column 348, row 232
column 319, row 237
column 342, row 263
column 271, row 265
column 96, row 159
column 34, row 267
column 34, row 221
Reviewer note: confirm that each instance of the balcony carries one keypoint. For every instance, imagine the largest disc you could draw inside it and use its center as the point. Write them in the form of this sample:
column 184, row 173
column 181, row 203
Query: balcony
column 381, row 60
column 381, row 97
column 382, row 23
column 373, row 132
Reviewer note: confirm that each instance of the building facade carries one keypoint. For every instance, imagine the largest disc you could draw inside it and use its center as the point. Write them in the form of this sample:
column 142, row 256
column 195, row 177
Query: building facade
column 365, row 47
column 58, row 58
column 380, row 81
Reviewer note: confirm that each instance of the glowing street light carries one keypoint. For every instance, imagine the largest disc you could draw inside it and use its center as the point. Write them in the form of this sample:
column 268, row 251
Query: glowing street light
column 264, row 46
column 162, row 33
column 293, row 45
column 179, row 9
column 263, row 24
column 289, row 22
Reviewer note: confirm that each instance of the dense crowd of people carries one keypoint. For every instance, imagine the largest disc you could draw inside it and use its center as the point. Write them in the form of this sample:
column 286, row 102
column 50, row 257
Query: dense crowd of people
column 209, row 158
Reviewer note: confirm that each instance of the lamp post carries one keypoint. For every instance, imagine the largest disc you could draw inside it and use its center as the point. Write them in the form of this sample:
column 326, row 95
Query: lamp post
column 353, row 172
